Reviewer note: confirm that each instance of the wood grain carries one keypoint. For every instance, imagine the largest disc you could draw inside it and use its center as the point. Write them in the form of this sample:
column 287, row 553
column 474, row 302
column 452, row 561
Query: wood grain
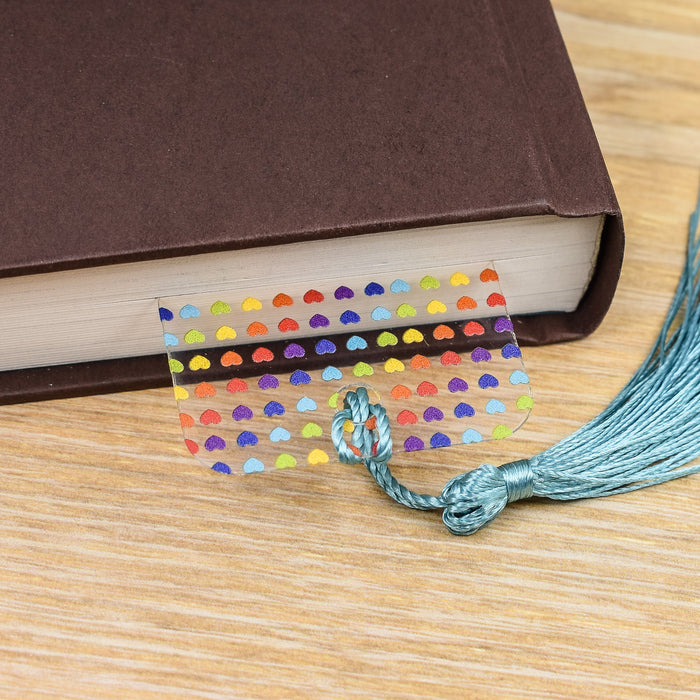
column 130, row 571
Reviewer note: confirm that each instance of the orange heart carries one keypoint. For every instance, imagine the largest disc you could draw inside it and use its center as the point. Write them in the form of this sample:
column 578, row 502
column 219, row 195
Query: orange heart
column 257, row 328
column 231, row 358
column 262, row 355
column 406, row 416
column 465, row 303
column 450, row 358
column 210, row 416
column 420, row 362
column 288, row 324
column 488, row 275
column 442, row 331
column 496, row 299
column 426, row 389
column 235, row 385
column 282, row 300
column 186, row 420
column 204, row 390
column 473, row 328
column 400, row 392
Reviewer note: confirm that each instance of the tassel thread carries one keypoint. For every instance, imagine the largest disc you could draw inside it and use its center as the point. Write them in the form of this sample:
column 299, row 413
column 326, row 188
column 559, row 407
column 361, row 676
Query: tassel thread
column 647, row 435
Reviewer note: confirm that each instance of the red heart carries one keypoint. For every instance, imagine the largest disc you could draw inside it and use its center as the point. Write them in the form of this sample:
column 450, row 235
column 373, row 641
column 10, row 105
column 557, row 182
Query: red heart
column 450, row 358
column 473, row 328
column 288, row 324
column 236, row 385
column 192, row 446
column 426, row 389
column 496, row 299
column 313, row 296
column 406, row 417
column 209, row 416
column 262, row 355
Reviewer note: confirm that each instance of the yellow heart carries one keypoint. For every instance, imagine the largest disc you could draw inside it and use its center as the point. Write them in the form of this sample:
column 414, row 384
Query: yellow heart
column 393, row 365
column 199, row 362
column 194, row 336
column 317, row 457
column 459, row 278
column 251, row 304
column 405, row 310
column 412, row 336
column 348, row 426
column 436, row 307
column 284, row 461
column 362, row 369
column 501, row 431
column 181, row 393
column 312, row 430
column 225, row 333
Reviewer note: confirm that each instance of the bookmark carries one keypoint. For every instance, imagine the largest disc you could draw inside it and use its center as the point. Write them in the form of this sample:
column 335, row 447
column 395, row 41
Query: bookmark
column 261, row 375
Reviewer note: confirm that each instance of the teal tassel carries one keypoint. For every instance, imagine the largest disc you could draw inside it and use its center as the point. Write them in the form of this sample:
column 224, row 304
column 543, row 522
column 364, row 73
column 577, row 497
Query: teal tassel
column 647, row 435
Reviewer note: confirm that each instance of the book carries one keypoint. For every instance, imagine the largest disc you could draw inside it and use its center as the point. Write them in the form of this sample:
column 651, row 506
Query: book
column 162, row 149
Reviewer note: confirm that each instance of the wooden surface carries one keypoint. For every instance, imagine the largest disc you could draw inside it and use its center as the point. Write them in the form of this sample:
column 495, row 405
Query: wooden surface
column 130, row 571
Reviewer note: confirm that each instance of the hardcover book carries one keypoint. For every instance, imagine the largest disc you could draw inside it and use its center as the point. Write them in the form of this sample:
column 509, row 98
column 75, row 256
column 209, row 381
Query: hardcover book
column 156, row 149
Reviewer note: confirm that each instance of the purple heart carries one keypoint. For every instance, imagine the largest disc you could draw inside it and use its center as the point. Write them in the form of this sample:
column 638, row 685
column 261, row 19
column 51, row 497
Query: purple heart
column 509, row 350
column 294, row 350
column 457, row 384
column 480, row 355
column 432, row 413
column 325, row 347
column 374, row 288
column 247, row 438
column 214, row 442
column 318, row 321
column 413, row 444
column 464, row 410
column 268, row 381
column 349, row 317
column 273, row 408
column 165, row 314
column 503, row 324
column 299, row 377
column 242, row 413
column 221, row 467
column 343, row 292
column 488, row 381
column 440, row 440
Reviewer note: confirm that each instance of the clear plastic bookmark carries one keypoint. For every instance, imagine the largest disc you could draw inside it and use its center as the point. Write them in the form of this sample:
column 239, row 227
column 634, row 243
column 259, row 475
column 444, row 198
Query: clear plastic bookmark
column 258, row 375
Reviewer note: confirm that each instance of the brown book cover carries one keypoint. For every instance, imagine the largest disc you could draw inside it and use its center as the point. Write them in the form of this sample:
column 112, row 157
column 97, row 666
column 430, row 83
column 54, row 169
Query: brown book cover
column 142, row 130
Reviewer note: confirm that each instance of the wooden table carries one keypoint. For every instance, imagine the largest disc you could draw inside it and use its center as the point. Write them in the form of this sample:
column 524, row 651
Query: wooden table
column 130, row 571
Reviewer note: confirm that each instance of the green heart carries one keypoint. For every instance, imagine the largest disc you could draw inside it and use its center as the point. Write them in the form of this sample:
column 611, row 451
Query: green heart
column 386, row 338
column 312, row 430
column 501, row 431
column 524, row 402
column 220, row 307
column 284, row 461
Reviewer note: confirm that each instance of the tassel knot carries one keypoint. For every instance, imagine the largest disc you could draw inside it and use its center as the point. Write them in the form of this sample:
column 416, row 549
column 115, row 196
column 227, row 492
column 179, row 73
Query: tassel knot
column 519, row 479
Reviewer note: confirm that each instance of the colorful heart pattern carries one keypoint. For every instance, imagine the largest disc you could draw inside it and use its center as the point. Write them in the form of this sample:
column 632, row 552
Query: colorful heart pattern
column 252, row 421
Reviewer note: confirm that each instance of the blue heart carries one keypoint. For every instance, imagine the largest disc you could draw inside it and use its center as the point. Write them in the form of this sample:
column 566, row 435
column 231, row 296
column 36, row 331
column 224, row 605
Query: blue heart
column 488, row 381
column 325, row 347
column 471, row 435
column 398, row 286
column 252, row 465
column 510, row 350
column 170, row 339
column 356, row 343
column 331, row 373
column 165, row 314
column 495, row 406
column 278, row 433
column 306, row 404
column 221, row 467
column 189, row 311
column 440, row 440
column 299, row 377
column 246, row 438
column 381, row 314
column 464, row 410
column 273, row 408
column 349, row 317
column 374, row 288
column 519, row 377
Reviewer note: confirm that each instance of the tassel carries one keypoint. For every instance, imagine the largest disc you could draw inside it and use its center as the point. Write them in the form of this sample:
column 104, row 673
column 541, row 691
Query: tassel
column 647, row 435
